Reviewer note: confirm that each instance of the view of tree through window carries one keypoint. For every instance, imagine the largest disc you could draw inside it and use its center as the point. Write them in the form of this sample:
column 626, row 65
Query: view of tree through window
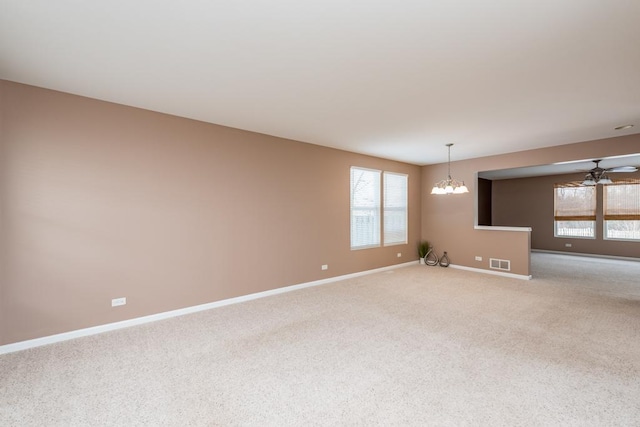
column 365, row 208
column 575, row 210
column 366, row 212
column 622, row 210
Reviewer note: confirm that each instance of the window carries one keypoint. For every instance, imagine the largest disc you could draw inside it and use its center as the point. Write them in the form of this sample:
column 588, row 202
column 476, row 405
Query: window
column 575, row 210
column 366, row 211
column 622, row 210
column 365, row 208
column 395, row 208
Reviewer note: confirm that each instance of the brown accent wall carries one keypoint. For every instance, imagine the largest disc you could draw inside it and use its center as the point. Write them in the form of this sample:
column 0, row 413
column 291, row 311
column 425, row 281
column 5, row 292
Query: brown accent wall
column 448, row 221
column 529, row 202
column 99, row 201
column 485, row 187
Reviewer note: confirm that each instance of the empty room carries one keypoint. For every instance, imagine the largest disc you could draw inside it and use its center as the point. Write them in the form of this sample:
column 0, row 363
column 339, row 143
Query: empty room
column 319, row 213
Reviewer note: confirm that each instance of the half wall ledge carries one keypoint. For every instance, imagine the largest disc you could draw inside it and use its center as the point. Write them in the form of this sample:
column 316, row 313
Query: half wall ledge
column 499, row 228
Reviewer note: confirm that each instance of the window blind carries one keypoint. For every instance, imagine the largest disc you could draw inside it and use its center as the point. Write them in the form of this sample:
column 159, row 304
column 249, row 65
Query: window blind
column 622, row 201
column 365, row 208
column 573, row 202
column 395, row 208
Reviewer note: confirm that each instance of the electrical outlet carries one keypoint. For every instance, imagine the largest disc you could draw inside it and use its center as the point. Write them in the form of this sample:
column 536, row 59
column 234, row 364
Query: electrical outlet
column 118, row 301
column 324, row 267
column 478, row 258
column 567, row 245
column 399, row 254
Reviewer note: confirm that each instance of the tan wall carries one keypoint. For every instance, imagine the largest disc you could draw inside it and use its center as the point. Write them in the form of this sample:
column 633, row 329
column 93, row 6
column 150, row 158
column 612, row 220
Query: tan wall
column 100, row 201
column 529, row 202
column 448, row 224
column 448, row 221
column 3, row 185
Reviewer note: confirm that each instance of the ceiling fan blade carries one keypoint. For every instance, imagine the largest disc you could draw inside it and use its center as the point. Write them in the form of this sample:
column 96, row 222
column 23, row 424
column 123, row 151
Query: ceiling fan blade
column 623, row 169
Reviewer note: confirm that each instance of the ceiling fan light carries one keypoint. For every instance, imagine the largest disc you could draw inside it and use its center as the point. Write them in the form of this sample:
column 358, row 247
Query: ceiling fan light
column 604, row 179
column 588, row 180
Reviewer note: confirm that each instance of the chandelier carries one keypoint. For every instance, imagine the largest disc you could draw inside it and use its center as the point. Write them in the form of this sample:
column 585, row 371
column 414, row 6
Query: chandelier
column 449, row 185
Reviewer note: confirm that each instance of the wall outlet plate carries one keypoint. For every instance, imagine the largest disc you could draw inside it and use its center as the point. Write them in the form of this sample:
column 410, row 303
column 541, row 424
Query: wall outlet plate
column 324, row 267
column 118, row 301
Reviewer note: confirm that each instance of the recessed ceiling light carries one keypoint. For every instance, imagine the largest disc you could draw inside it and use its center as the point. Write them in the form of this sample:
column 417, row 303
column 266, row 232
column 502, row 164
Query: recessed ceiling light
column 623, row 127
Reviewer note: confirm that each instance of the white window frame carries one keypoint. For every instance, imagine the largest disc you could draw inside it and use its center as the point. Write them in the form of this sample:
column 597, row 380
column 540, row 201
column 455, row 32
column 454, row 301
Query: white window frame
column 374, row 208
column 630, row 212
column 581, row 216
column 400, row 204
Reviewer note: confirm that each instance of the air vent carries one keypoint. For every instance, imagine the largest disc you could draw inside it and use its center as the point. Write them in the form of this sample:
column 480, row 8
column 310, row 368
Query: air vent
column 500, row 264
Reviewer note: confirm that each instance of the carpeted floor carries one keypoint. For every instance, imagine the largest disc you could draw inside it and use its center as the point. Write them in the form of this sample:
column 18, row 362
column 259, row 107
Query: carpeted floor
column 416, row 346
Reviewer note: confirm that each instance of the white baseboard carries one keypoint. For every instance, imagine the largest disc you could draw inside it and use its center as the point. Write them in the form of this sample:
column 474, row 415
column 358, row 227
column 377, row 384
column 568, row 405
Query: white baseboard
column 495, row 273
column 65, row 336
column 622, row 258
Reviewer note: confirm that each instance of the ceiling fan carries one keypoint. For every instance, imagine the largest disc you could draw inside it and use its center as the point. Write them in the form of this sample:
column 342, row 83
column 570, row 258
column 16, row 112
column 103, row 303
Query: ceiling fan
column 600, row 175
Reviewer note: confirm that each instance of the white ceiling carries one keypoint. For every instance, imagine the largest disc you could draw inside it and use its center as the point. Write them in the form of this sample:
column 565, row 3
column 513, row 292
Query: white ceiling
column 392, row 79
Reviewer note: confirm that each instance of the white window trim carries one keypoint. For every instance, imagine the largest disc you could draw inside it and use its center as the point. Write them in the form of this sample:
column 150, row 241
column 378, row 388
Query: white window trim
column 406, row 209
column 351, row 209
column 555, row 221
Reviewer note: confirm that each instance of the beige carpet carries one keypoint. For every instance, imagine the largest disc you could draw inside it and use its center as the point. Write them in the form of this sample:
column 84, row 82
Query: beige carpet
column 418, row 346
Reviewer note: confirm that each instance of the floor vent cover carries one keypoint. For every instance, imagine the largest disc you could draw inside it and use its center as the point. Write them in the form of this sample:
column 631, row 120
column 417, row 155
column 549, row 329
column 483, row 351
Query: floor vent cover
column 500, row 264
